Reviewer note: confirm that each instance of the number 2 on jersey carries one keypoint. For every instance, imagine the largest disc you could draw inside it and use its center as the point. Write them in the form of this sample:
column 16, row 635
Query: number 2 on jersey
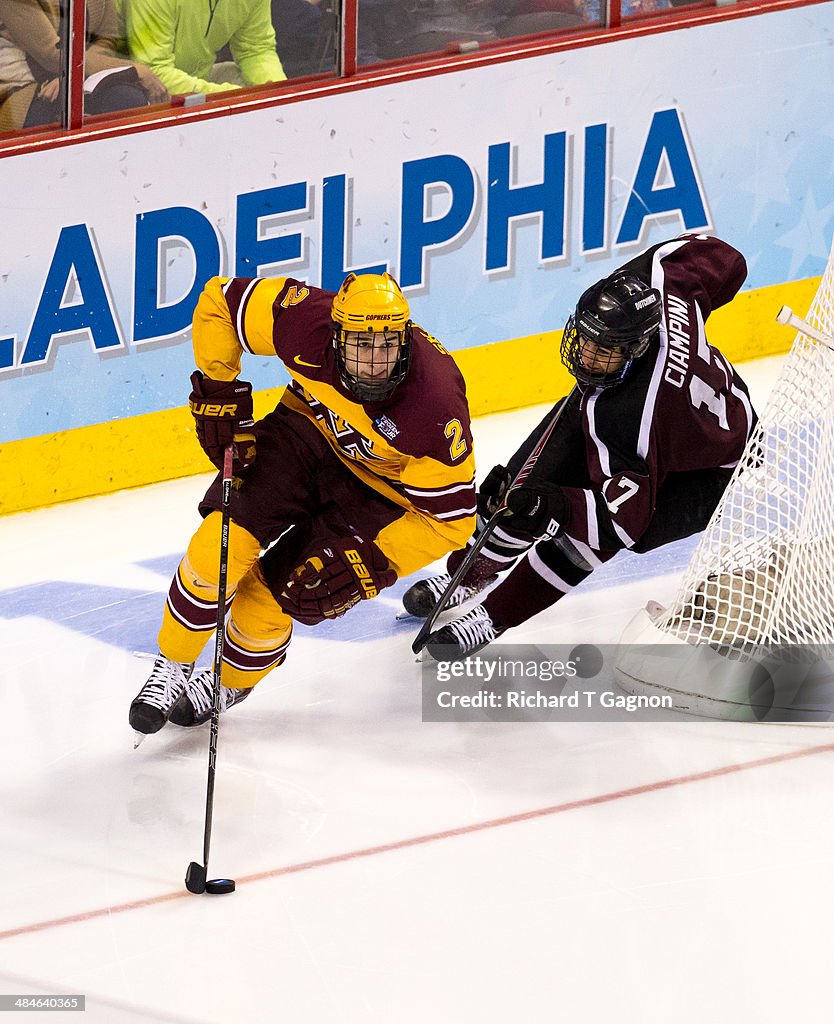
column 454, row 430
column 294, row 296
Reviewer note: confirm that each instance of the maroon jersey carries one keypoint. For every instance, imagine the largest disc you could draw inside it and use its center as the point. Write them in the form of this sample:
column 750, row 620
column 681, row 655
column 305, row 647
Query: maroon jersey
column 414, row 448
column 682, row 406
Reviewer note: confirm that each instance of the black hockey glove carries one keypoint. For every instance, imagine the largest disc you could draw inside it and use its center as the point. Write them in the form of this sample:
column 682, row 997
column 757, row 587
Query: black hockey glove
column 332, row 580
column 538, row 509
column 222, row 410
column 492, row 491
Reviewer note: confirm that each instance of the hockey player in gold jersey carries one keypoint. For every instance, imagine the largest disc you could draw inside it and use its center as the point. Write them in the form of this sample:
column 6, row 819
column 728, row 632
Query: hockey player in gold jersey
column 364, row 472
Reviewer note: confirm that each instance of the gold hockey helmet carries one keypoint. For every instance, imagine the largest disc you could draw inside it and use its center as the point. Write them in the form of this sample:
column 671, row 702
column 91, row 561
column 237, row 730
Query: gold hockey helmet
column 372, row 304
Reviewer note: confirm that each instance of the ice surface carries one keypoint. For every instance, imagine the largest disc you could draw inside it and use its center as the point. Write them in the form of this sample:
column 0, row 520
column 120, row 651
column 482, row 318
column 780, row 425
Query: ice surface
column 387, row 870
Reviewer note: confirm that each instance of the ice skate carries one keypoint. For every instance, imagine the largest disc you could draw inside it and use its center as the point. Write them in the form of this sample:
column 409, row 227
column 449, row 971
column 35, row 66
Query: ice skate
column 194, row 704
column 421, row 597
column 464, row 636
column 151, row 707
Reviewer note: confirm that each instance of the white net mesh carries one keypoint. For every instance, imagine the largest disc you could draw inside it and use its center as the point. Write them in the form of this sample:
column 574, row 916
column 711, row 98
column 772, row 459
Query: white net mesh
column 763, row 573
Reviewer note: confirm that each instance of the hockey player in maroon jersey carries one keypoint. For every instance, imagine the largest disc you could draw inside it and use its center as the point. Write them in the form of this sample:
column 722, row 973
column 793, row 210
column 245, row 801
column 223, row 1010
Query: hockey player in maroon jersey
column 640, row 457
column 364, row 472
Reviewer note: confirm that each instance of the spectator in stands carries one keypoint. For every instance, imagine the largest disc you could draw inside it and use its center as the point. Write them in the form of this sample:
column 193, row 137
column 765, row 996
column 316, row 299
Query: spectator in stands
column 180, row 40
column 306, row 34
column 592, row 9
column 526, row 17
column 30, row 56
column 390, row 29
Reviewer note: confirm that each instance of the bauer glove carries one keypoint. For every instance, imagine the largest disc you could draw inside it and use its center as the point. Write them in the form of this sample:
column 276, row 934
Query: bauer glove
column 537, row 509
column 333, row 579
column 222, row 410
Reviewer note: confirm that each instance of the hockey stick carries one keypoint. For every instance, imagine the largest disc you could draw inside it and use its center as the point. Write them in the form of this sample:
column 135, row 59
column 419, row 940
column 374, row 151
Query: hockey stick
column 787, row 316
column 420, row 640
column 195, row 876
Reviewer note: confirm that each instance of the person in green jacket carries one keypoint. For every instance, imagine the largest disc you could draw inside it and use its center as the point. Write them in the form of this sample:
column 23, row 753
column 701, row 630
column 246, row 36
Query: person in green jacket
column 179, row 41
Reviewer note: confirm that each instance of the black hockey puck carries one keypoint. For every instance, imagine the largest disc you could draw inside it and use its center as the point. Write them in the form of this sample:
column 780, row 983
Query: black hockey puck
column 195, row 878
column 588, row 660
column 220, row 885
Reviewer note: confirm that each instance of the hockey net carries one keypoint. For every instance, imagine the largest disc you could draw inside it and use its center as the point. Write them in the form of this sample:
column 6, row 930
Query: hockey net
column 762, row 575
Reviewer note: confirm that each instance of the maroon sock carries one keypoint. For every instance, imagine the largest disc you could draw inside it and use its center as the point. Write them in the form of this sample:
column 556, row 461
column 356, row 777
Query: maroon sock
column 481, row 571
column 539, row 580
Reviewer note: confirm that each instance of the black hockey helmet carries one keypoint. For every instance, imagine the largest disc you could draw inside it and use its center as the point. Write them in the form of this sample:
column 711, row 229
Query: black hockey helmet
column 614, row 323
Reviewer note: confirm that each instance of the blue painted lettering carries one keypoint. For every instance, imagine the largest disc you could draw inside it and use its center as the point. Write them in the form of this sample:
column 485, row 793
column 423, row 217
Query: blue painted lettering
column 254, row 251
column 595, row 188
column 419, row 234
column 666, row 144
column 155, row 315
column 74, row 299
column 334, row 235
column 506, row 203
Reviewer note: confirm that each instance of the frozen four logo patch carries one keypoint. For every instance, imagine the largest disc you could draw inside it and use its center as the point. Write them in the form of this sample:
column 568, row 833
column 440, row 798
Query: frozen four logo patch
column 387, row 427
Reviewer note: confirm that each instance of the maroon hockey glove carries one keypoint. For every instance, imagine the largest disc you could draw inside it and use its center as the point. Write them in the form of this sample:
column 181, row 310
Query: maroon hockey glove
column 222, row 410
column 334, row 579
column 538, row 509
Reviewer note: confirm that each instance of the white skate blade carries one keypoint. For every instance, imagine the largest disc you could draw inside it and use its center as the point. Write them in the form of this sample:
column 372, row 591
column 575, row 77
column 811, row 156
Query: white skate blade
column 137, row 738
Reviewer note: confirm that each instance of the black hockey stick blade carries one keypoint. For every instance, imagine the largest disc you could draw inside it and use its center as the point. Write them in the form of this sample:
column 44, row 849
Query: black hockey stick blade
column 195, row 878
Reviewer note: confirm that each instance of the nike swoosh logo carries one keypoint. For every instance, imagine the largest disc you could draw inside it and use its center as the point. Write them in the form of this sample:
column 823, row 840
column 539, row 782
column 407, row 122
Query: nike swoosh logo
column 302, row 362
